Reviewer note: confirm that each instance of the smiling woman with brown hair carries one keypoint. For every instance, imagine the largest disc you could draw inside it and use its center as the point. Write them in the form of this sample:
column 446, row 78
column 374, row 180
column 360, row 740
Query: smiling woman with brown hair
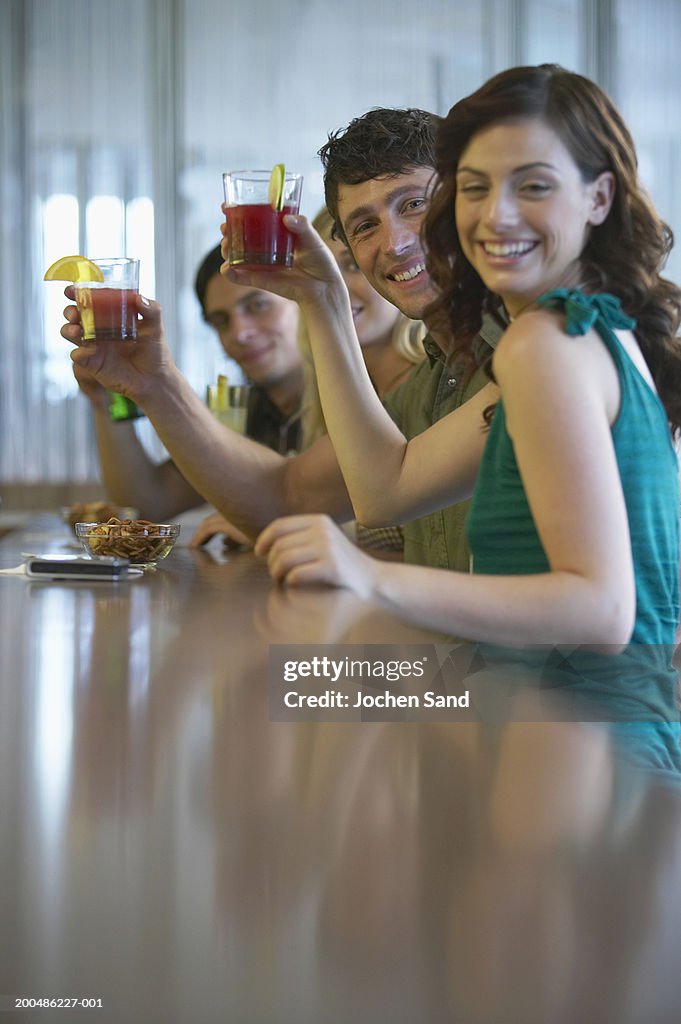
column 574, row 523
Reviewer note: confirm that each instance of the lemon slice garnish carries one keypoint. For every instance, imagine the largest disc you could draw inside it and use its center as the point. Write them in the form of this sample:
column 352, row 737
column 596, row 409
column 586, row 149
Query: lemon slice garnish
column 276, row 191
column 73, row 268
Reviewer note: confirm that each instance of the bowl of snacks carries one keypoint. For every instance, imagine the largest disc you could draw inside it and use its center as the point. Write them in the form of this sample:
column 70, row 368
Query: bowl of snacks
column 141, row 542
column 95, row 512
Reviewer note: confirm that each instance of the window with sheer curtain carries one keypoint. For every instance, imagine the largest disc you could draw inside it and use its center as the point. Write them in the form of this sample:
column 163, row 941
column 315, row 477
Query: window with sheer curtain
column 117, row 122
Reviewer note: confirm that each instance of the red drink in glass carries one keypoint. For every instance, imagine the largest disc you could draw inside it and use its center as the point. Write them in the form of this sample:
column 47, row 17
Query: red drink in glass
column 107, row 314
column 257, row 236
column 256, row 203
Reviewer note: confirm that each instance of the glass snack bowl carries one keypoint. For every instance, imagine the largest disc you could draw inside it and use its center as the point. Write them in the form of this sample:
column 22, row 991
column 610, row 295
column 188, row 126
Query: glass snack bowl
column 138, row 540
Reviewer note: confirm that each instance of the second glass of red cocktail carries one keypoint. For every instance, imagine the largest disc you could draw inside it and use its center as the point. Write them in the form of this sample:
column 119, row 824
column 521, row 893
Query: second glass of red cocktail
column 256, row 234
column 108, row 308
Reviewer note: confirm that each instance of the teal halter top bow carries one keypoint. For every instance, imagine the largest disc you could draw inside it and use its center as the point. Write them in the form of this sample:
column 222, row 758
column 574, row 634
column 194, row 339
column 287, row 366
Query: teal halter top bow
column 582, row 310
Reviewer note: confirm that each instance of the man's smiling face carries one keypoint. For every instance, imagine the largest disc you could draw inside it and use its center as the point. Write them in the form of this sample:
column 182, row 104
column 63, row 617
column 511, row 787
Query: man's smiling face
column 257, row 329
column 382, row 220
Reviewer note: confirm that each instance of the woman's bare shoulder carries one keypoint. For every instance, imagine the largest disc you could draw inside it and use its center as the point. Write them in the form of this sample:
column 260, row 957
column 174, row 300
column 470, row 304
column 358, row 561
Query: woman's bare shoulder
column 535, row 334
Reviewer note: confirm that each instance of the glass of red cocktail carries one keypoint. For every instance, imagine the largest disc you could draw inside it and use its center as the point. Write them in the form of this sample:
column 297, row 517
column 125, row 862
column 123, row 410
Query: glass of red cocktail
column 108, row 308
column 256, row 235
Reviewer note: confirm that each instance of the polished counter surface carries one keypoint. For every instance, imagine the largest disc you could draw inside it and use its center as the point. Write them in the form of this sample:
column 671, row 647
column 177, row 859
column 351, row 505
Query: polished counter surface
column 170, row 850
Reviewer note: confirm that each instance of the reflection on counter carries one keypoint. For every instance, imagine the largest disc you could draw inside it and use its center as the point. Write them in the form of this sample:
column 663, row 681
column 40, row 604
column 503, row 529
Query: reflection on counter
column 170, row 849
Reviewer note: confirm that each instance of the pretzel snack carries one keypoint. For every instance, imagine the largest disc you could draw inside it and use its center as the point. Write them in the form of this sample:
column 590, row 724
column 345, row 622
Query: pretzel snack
column 138, row 540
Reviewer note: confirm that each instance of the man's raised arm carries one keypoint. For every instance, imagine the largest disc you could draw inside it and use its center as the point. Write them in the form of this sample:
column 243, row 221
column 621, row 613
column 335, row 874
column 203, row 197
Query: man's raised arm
column 247, row 482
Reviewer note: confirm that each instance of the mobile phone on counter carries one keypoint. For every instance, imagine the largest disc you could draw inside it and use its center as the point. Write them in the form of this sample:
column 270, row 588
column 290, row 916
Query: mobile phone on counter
column 69, row 567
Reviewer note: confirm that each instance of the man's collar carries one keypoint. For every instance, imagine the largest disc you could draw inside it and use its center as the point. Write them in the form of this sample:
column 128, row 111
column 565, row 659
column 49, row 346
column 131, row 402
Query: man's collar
column 491, row 329
column 493, row 326
column 433, row 350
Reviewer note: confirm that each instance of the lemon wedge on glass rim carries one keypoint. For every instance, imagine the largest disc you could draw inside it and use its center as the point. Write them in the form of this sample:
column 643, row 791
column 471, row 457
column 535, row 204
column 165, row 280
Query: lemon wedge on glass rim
column 73, row 268
column 276, row 189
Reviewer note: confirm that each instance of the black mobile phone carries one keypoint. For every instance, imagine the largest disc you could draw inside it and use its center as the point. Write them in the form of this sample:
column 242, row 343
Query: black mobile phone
column 68, row 567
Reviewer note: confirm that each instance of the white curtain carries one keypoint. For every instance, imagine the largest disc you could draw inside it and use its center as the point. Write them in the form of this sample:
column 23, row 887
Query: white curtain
column 117, row 121
column 82, row 144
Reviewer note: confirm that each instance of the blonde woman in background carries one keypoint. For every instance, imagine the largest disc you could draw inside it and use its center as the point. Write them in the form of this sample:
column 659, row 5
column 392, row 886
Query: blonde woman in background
column 392, row 344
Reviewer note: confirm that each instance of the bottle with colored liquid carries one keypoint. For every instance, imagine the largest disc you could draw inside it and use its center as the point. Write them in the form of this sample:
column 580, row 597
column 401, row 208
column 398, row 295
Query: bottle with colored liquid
column 122, row 408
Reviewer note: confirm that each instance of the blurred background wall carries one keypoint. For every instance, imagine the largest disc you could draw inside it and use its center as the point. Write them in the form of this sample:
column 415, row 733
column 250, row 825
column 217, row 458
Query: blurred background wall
column 117, row 121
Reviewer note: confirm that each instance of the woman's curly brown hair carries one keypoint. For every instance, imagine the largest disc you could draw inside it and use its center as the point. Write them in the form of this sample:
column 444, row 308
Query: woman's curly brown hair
column 624, row 255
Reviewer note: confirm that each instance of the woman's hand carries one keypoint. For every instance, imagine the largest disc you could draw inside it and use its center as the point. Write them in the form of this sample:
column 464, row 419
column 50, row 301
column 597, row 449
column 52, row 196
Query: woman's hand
column 129, row 367
column 213, row 526
column 313, row 275
column 310, row 549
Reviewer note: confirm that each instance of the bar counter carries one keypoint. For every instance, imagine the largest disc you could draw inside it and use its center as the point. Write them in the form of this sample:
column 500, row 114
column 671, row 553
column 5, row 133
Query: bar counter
column 175, row 855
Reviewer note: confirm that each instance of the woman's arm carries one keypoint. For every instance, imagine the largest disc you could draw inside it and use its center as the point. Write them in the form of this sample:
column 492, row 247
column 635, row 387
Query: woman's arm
column 130, row 477
column 557, row 392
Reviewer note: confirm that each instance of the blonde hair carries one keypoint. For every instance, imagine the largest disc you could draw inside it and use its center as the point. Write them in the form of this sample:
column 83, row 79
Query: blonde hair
column 407, row 338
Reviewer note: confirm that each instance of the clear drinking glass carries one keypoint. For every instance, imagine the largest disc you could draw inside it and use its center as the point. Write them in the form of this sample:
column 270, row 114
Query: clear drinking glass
column 108, row 308
column 229, row 404
column 256, row 235
column 108, row 312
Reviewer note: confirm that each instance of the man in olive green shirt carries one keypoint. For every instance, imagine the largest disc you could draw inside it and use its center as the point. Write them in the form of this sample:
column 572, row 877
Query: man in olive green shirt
column 378, row 179
column 434, row 389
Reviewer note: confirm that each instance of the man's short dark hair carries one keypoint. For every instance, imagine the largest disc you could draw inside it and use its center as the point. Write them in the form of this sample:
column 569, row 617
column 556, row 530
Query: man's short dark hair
column 209, row 268
column 383, row 142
